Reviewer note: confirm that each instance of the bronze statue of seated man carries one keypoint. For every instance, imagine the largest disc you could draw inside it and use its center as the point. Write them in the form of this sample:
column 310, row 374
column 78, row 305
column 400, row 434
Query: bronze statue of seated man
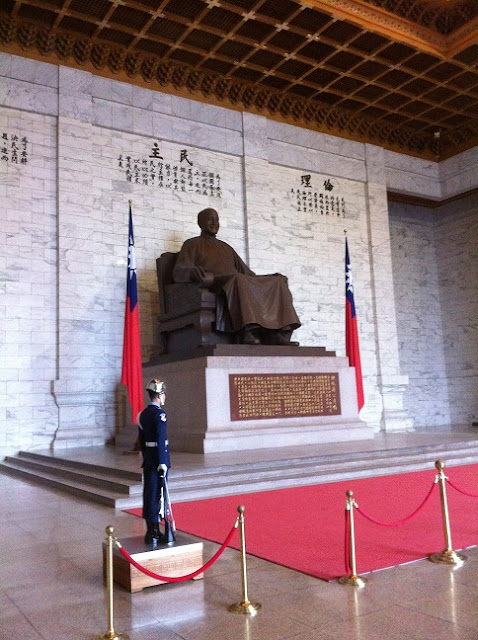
column 256, row 309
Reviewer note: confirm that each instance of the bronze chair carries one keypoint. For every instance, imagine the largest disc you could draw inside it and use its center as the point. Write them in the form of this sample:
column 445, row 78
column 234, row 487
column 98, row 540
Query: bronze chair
column 187, row 311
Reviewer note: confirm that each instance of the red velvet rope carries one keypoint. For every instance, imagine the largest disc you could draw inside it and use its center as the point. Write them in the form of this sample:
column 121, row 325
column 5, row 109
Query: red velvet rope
column 189, row 576
column 466, row 493
column 399, row 522
column 347, row 541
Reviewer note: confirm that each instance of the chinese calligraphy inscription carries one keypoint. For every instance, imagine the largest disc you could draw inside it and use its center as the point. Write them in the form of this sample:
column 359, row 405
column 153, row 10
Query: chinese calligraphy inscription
column 276, row 395
column 13, row 148
column 173, row 173
column 325, row 201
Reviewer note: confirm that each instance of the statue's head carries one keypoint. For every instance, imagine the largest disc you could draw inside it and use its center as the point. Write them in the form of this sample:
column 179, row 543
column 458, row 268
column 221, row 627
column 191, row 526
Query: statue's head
column 208, row 220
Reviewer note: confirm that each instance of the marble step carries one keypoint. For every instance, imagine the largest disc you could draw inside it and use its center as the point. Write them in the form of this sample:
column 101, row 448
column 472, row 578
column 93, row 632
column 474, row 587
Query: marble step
column 57, row 461
column 113, row 480
column 427, row 454
column 81, row 489
column 465, row 453
column 122, row 489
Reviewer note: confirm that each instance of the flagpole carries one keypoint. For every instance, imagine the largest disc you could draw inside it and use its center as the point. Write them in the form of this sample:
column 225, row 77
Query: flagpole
column 352, row 348
column 131, row 374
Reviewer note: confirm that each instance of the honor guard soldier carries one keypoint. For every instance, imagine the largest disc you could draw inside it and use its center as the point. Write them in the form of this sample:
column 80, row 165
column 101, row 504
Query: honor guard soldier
column 156, row 463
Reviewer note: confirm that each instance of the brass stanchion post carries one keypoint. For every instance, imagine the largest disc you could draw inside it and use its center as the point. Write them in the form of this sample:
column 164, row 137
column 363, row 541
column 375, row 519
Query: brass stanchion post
column 245, row 606
column 353, row 580
column 111, row 634
column 448, row 555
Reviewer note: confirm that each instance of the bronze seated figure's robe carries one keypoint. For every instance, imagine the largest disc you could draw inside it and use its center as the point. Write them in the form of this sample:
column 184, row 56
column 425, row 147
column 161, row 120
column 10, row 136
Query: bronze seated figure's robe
column 249, row 300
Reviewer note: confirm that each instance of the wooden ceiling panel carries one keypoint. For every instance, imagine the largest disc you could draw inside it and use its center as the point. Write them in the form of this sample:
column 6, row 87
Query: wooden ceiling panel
column 220, row 19
column 185, row 8
column 388, row 72
column 96, row 9
column 116, row 36
column 281, row 11
column 129, row 17
column 255, row 30
column 151, row 47
column 77, row 26
column 167, row 29
column 341, row 32
column 468, row 56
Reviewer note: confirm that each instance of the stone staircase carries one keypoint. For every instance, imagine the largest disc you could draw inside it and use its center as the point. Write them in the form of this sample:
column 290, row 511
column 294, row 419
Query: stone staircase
column 122, row 489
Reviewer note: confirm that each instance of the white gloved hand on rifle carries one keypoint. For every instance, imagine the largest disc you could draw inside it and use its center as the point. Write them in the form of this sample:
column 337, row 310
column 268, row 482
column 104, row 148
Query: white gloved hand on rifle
column 163, row 468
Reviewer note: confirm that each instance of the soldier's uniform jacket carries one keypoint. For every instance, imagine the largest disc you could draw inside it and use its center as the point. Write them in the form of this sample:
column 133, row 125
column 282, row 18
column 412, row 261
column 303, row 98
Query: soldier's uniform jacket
column 153, row 436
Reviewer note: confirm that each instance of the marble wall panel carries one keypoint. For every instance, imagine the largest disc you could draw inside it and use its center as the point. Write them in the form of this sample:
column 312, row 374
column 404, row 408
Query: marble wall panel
column 146, row 122
column 296, row 136
column 340, row 166
column 457, row 259
column 28, row 351
column 18, row 94
column 31, row 71
column 107, row 90
column 418, row 308
column 459, row 173
column 412, row 176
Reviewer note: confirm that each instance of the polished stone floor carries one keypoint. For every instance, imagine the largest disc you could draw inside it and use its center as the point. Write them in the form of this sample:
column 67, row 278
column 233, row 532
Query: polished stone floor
column 51, row 587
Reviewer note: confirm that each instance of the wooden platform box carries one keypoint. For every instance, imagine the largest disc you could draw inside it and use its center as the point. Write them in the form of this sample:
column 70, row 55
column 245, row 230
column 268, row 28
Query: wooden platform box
column 176, row 560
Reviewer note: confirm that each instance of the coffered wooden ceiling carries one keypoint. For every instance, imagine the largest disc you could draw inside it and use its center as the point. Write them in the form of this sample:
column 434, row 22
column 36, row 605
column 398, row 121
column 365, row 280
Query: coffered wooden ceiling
column 397, row 73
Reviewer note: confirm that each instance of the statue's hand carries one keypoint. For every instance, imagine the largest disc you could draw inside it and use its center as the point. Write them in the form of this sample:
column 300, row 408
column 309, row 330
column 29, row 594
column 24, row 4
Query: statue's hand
column 205, row 278
column 208, row 280
column 198, row 274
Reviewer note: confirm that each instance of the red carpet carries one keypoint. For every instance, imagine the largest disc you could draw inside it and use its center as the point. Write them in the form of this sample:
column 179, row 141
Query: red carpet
column 303, row 528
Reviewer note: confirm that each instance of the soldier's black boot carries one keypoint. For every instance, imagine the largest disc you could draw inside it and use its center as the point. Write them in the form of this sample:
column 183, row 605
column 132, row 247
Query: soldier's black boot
column 157, row 535
column 148, row 538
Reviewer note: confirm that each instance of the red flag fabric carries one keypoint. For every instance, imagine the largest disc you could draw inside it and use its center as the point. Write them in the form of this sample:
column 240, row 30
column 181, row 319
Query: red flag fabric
column 352, row 348
column 132, row 375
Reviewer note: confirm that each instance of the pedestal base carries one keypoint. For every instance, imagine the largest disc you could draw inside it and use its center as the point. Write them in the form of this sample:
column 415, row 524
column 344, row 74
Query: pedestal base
column 112, row 635
column 448, row 556
column 200, row 410
column 245, row 608
column 353, row 581
column 176, row 560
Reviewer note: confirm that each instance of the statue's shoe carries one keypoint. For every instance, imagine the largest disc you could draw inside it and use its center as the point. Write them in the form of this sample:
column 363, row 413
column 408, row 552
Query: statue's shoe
column 249, row 338
column 284, row 340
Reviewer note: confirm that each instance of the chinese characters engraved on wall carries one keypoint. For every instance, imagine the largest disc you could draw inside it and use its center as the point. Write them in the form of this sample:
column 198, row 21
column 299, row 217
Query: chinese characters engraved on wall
column 13, row 148
column 325, row 201
column 174, row 173
column 276, row 395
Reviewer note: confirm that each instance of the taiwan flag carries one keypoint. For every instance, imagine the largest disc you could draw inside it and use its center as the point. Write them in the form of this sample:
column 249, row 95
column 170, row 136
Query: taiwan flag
column 352, row 349
column 132, row 375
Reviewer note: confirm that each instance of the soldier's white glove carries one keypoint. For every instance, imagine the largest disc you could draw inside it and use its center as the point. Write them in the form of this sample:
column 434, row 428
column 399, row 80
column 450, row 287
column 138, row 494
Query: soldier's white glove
column 163, row 468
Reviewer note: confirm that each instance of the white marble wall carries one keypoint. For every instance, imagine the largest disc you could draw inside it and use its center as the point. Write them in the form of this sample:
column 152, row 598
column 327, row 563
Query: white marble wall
column 413, row 176
column 456, row 241
column 28, row 272
column 420, row 327
column 458, row 174
column 435, row 261
column 67, row 211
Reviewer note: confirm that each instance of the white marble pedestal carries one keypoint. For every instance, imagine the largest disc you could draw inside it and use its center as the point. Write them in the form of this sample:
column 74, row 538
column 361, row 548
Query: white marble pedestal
column 198, row 399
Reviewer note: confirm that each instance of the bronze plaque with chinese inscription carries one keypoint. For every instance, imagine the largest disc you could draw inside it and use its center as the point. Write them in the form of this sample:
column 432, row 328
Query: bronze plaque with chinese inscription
column 278, row 395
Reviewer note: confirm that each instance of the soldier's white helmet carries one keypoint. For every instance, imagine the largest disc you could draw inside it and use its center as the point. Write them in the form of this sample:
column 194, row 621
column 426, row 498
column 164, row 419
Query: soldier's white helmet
column 156, row 386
